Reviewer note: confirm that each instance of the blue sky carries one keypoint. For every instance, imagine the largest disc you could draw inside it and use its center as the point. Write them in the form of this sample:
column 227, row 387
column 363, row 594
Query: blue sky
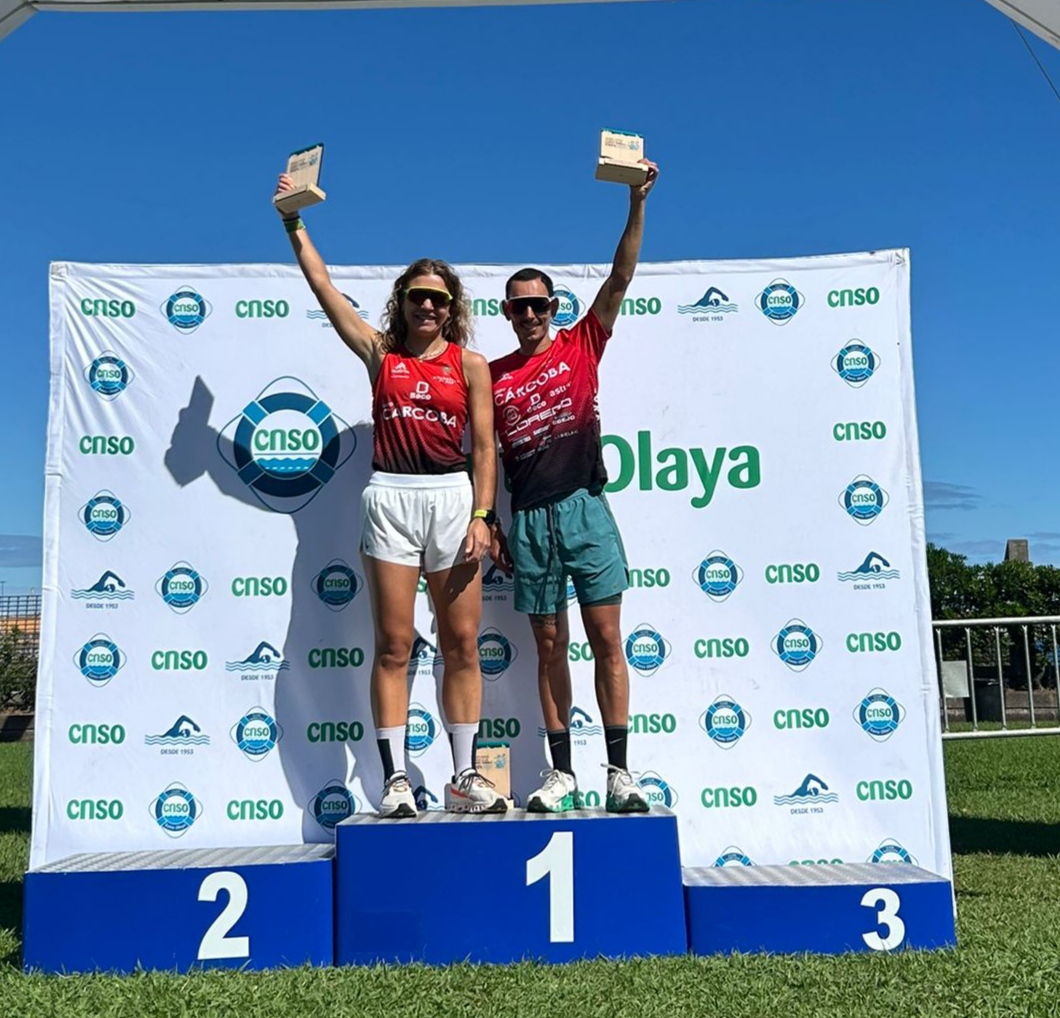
column 801, row 127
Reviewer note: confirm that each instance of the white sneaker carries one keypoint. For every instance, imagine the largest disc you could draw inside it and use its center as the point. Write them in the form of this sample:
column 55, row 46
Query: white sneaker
column 624, row 795
column 470, row 792
column 398, row 801
column 556, row 795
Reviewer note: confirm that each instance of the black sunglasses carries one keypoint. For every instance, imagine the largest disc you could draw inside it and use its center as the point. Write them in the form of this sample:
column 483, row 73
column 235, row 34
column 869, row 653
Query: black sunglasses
column 438, row 298
column 539, row 305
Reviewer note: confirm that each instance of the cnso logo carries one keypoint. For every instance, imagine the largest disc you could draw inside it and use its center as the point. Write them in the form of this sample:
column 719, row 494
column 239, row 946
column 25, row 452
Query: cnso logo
column 108, row 376
column 109, row 587
column 721, row 646
column 264, row 662
column 92, row 734
column 890, row 850
column 646, row 650
column 179, row 660
column 181, row 587
column 791, row 719
column 499, row 728
column 333, row 804
column 863, row 500
column 779, row 302
column 95, row 809
column 286, row 445
column 100, row 307
column 718, row 576
column 797, row 645
column 254, row 810
column 420, row 730
column 879, row 714
column 259, row 586
column 180, row 735
column 713, row 306
column 495, row 653
column 674, row 468
column 657, row 791
column 186, row 310
column 798, row 572
column 100, row 660
column 856, row 363
column 337, row 585
column 256, row 734
column 884, row 790
column 656, row 577
column 175, row 810
column 569, row 310
column 335, row 731
column 652, row 724
column 106, row 445
column 873, row 643
column 733, row 856
column 641, row 306
column 104, row 515
column 725, row 722
column 728, row 797
column 256, row 308
column 853, row 298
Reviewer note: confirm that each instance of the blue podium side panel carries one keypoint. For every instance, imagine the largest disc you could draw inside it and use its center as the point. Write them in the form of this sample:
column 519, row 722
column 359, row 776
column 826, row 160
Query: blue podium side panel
column 825, row 909
column 446, row 888
column 231, row 908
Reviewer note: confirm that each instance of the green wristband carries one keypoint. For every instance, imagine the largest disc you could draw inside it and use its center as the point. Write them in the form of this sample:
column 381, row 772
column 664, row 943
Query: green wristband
column 292, row 225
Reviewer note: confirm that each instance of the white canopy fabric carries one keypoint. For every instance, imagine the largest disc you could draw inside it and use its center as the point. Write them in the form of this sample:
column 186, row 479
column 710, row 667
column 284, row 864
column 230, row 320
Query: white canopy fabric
column 1039, row 16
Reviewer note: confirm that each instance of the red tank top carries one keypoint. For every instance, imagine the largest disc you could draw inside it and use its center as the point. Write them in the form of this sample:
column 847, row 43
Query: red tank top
column 419, row 411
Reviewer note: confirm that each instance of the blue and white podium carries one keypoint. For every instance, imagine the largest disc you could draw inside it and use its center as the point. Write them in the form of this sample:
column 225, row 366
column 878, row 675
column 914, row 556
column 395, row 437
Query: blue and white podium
column 450, row 888
column 823, row 909
column 248, row 908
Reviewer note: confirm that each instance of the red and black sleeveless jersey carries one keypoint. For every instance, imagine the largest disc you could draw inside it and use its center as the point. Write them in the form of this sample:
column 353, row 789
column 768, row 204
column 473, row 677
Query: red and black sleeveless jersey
column 546, row 414
column 419, row 412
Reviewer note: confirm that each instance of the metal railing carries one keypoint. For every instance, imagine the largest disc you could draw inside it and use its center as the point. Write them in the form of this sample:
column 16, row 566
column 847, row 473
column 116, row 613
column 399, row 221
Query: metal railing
column 1007, row 675
column 21, row 612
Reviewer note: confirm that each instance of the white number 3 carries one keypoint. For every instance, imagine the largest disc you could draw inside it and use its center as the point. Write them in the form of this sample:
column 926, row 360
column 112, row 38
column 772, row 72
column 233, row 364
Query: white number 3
column 887, row 903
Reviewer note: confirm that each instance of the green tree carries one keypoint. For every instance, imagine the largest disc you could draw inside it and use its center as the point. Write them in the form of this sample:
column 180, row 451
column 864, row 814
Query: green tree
column 18, row 672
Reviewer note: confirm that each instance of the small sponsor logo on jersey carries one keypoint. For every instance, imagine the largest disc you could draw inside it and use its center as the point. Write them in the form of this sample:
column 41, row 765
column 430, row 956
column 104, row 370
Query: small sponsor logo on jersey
column 333, row 804
column 856, row 363
column 796, row 645
column 108, row 376
column 100, row 659
column 873, row 573
column 863, row 500
column 718, row 576
column 104, row 515
column 420, row 730
column 713, row 306
column 109, row 587
column 256, row 733
column 264, row 662
column 183, row 732
column 421, row 391
column 186, row 310
column 733, row 856
column 879, row 714
column 725, row 721
column 337, row 584
column 779, row 302
column 175, row 809
column 286, row 444
column 182, row 587
column 812, row 792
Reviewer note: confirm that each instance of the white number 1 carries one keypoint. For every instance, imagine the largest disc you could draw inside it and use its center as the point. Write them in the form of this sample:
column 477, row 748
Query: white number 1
column 216, row 943
column 556, row 861
column 887, row 915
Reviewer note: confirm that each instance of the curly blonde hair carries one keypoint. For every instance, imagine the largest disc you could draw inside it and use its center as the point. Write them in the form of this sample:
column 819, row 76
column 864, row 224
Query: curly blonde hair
column 457, row 327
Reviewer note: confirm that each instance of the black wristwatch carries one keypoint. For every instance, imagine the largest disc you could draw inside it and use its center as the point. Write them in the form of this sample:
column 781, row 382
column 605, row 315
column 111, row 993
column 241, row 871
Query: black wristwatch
column 488, row 516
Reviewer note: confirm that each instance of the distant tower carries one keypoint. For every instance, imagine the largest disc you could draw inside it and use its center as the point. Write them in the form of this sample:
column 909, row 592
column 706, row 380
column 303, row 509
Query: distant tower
column 1016, row 550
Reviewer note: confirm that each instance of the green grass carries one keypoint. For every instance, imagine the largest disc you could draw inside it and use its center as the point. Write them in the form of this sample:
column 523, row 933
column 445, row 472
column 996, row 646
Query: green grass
column 1004, row 798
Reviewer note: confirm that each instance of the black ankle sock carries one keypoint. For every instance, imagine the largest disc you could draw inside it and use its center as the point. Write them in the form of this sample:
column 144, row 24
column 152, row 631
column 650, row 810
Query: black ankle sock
column 559, row 750
column 616, row 737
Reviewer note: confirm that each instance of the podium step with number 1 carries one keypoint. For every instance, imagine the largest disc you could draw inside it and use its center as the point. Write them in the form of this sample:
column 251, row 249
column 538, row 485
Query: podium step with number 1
column 449, row 888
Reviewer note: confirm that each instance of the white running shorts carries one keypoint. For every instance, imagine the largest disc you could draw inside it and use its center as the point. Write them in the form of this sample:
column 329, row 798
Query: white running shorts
column 416, row 519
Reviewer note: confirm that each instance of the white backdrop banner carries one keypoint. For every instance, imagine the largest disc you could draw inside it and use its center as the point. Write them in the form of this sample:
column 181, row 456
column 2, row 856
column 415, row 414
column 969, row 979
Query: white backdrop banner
column 207, row 638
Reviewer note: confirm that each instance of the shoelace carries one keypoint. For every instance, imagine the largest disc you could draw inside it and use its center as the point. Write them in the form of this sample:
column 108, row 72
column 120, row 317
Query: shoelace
column 552, row 779
column 621, row 774
column 469, row 778
column 396, row 779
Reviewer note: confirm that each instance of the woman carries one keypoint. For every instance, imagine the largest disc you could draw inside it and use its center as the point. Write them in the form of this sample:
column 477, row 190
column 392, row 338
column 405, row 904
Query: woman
column 420, row 510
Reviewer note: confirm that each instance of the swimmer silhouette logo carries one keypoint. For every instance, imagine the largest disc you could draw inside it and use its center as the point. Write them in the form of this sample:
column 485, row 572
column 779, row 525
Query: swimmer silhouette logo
column 286, row 444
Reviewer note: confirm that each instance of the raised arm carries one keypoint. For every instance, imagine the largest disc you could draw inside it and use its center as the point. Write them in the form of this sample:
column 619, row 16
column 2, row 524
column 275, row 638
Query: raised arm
column 357, row 334
column 483, row 451
column 608, row 301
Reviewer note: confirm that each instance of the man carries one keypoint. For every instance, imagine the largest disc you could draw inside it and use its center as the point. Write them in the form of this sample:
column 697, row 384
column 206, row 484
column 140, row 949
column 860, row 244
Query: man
column 546, row 414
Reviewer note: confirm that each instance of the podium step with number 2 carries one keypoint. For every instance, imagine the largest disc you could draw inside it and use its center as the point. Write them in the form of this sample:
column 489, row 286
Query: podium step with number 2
column 449, row 888
column 249, row 908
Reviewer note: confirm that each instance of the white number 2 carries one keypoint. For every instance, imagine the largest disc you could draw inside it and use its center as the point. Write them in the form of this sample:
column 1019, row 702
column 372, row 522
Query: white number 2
column 216, row 943
column 556, row 861
column 887, row 903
